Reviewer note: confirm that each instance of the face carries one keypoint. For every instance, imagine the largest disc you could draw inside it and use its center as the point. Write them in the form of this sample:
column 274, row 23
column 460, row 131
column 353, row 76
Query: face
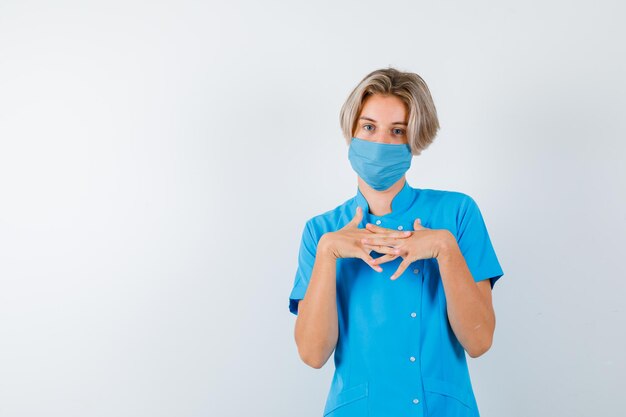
column 382, row 119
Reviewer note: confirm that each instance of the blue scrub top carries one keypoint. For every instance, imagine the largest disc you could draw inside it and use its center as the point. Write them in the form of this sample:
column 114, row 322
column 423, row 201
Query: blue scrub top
column 396, row 354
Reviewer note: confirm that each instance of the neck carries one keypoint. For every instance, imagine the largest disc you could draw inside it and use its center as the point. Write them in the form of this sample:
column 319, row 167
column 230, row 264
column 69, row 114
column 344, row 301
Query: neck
column 379, row 202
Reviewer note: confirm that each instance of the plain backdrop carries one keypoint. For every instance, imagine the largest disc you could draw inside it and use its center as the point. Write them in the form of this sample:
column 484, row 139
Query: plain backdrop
column 158, row 160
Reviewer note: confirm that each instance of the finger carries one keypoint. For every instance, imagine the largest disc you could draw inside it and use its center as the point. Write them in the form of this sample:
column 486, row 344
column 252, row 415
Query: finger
column 383, row 249
column 382, row 231
column 385, row 258
column 370, row 261
column 403, row 265
column 385, row 241
column 376, row 228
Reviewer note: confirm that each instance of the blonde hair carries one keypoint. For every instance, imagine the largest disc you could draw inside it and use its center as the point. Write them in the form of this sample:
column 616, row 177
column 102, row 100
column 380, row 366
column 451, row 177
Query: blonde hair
column 423, row 123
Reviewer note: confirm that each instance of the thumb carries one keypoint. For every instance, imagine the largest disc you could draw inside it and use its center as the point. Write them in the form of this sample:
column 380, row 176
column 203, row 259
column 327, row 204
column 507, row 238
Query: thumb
column 417, row 224
column 356, row 220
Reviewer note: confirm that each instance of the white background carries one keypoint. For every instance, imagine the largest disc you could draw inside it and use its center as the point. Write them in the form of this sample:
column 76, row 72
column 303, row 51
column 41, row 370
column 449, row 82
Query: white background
column 158, row 160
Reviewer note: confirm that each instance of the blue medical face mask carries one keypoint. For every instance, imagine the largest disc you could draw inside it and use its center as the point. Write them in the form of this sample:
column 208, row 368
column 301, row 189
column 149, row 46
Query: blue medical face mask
column 380, row 165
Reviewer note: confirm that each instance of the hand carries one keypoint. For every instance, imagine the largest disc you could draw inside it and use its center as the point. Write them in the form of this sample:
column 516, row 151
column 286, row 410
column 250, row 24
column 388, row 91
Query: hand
column 346, row 242
column 423, row 243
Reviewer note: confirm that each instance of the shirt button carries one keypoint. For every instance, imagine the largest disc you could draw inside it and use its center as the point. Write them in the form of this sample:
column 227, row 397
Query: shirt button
column 412, row 358
column 413, row 314
column 416, row 271
column 377, row 221
column 415, row 401
column 400, row 227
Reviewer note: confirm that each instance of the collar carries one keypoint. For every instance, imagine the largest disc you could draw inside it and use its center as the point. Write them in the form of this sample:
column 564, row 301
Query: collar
column 399, row 204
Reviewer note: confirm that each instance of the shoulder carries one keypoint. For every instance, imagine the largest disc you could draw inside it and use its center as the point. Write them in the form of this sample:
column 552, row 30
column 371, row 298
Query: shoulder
column 450, row 199
column 445, row 209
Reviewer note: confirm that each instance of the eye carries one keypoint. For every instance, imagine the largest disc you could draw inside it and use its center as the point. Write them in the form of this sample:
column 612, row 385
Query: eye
column 365, row 126
column 399, row 131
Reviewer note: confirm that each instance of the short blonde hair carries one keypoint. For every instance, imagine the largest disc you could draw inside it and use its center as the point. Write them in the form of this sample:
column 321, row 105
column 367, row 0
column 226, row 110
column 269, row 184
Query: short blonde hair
column 423, row 123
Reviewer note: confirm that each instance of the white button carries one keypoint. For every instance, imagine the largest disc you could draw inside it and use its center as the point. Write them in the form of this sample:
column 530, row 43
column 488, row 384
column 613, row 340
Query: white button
column 416, row 271
column 400, row 227
column 413, row 314
column 415, row 400
column 412, row 358
column 377, row 221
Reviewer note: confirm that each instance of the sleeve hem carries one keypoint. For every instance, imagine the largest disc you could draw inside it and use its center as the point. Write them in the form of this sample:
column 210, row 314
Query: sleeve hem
column 493, row 277
column 296, row 295
column 293, row 305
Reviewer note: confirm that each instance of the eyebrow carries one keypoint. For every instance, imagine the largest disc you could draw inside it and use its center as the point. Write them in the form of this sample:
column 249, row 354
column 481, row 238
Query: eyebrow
column 372, row 120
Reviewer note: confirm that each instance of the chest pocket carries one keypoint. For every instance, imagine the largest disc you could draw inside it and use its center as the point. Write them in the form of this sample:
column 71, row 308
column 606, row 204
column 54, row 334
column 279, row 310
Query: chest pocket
column 351, row 402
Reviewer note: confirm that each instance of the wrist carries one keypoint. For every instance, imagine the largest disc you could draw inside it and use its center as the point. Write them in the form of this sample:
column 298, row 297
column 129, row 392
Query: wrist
column 325, row 246
column 445, row 243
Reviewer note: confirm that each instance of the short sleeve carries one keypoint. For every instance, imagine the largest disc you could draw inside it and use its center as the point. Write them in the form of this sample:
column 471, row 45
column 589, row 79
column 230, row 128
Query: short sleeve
column 475, row 244
column 306, row 260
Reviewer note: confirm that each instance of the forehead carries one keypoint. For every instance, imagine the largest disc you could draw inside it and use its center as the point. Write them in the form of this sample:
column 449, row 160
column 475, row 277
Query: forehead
column 384, row 108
